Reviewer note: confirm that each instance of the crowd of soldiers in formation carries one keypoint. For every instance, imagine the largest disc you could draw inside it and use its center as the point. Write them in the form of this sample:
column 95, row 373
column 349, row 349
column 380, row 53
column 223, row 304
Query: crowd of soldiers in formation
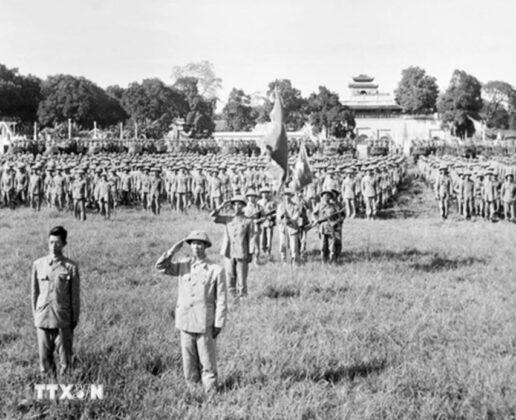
column 481, row 188
column 342, row 187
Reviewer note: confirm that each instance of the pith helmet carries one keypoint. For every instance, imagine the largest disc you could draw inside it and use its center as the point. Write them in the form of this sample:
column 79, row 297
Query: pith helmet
column 198, row 235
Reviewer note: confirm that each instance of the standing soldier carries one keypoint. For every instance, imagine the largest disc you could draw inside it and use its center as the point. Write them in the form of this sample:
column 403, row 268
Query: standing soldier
column 199, row 189
column 348, row 194
column 443, row 191
column 145, row 189
column 457, row 186
column 36, row 188
column 49, row 187
column 267, row 221
column 22, row 184
column 59, row 189
column 369, row 193
column 215, row 190
column 236, row 244
column 467, row 192
column 103, row 194
column 508, row 197
column 79, row 196
column 489, row 196
column 68, row 188
column 254, row 212
column 55, row 293
column 201, row 307
column 479, row 204
column 182, row 189
column 126, row 186
column 7, row 187
column 287, row 216
column 156, row 187
column 327, row 217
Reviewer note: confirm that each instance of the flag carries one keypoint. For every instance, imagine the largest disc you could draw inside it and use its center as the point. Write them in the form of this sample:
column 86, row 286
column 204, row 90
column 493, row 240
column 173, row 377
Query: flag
column 275, row 141
column 302, row 175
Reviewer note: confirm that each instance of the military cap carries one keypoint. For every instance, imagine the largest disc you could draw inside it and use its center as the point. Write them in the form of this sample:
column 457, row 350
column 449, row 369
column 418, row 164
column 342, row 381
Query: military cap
column 198, row 235
column 238, row 199
column 251, row 193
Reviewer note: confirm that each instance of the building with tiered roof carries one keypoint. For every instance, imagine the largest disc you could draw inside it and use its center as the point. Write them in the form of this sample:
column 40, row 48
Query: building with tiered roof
column 366, row 100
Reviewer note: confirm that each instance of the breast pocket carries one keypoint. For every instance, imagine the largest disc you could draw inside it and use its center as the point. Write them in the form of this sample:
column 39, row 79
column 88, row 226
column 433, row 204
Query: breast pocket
column 63, row 288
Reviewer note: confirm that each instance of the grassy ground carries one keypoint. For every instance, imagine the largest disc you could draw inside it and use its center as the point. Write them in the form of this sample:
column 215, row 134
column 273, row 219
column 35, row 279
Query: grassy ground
column 418, row 321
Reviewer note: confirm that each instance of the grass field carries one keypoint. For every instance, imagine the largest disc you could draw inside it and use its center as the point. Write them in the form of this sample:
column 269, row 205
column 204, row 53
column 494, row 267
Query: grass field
column 418, row 321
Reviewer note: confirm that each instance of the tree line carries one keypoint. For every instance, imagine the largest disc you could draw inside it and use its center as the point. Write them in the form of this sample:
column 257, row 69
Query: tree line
column 153, row 105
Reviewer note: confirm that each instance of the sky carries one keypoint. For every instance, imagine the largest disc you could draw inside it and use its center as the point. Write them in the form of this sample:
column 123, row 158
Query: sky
column 250, row 43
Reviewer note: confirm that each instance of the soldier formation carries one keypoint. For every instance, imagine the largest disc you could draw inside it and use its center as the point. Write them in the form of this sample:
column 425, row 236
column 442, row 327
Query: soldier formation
column 480, row 188
column 100, row 184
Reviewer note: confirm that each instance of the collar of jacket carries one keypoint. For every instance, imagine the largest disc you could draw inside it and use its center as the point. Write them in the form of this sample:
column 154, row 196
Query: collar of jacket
column 51, row 259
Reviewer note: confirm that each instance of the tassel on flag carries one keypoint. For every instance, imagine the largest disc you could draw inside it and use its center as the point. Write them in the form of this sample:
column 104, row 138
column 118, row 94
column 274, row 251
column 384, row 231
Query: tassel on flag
column 302, row 174
column 275, row 141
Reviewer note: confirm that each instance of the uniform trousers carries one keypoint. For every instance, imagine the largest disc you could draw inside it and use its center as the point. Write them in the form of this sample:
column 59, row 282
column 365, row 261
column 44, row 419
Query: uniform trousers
column 50, row 339
column 370, row 203
column 236, row 272
column 289, row 241
column 199, row 353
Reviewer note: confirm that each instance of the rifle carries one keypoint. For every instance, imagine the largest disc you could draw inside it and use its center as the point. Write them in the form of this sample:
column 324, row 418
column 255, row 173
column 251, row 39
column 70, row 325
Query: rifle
column 311, row 225
column 264, row 217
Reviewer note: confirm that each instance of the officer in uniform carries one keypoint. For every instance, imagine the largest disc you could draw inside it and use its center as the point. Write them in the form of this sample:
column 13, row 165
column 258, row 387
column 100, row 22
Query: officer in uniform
column 236, row 244
column 201, row 307
column 55, row 292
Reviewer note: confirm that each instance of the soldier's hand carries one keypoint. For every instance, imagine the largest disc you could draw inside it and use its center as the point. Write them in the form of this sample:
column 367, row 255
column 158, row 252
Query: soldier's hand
column 176, row 247
column 216, row 331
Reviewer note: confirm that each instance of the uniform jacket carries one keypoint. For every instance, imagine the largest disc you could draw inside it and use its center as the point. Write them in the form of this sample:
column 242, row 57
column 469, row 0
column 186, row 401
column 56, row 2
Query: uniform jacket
column 55, row 289
column 237, row 236
column 201, row 293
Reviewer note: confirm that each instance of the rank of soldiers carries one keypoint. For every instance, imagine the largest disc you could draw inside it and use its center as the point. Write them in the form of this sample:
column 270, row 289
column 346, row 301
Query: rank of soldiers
column 480, row 188
column 341, row 187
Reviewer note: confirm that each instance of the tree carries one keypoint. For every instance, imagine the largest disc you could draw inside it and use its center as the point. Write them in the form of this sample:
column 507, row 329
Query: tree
column 294, row 105
column 461, row 100
column 417, row 92
column 116, row 92
column 327, row 112
column 154, row 106
column 238, row 112
column 199, row 116
column 79, row 99
column 498, row 99
column 19, row 95
column 208, row 83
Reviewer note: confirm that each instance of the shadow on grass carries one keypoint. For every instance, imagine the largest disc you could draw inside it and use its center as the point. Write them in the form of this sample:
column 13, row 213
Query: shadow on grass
column 437, row 263
column 336, row 374
column 237, row 380
column 278, row 292
column 8, row 338
column 428, row 262
column 327, row 293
